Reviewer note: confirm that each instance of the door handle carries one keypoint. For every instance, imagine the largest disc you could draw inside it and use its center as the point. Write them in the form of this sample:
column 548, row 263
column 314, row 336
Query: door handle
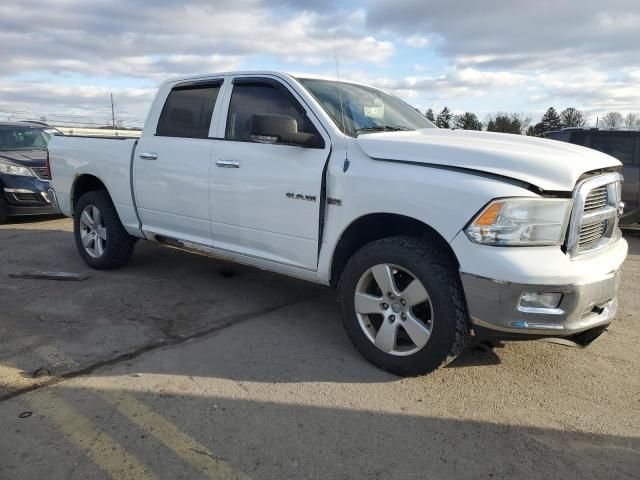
column 148, row 156
column 228, row 163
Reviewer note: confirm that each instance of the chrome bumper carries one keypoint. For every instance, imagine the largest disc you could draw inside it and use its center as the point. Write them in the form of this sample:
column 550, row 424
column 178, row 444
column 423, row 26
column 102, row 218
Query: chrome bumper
column 53, row 200
column 495, row 305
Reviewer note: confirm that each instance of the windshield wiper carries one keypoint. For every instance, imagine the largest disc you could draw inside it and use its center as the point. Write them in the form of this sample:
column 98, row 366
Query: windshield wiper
column 382, row 128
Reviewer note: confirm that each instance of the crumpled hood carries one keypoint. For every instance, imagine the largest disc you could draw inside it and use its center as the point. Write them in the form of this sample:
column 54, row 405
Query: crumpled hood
column 26, row 158
column 547, row 164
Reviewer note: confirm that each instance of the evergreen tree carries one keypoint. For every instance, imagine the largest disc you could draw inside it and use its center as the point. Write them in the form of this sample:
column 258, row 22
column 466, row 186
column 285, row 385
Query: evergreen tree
column 551, row 120
column 430, row 116
column 467, row 121
column 505, row 123
column 444, row 118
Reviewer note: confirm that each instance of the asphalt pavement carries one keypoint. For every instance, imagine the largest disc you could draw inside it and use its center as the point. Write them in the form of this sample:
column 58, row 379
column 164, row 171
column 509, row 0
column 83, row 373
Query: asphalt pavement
column 180, row 366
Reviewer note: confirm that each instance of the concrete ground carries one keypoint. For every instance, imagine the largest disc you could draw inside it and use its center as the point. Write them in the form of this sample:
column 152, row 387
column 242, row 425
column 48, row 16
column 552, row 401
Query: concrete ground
column 180, row 366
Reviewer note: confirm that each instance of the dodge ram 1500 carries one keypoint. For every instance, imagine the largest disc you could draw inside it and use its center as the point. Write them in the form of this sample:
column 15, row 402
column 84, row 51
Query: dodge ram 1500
column 429, row 235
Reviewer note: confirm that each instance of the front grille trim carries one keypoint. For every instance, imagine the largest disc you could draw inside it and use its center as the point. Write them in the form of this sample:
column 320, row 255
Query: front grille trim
column 41, row 173
column 594, row 218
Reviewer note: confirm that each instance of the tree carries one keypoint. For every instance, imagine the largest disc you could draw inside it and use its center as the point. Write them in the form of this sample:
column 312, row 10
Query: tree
column 536, row 130
column 632, row 120
column 429, row 115
column 467, row 121
column 550, row 120
column 612, row 120
column 572, row 117
column 444, row 118
column 505, row 123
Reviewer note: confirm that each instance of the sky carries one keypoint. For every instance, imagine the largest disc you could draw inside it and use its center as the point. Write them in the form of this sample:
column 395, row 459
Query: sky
column 65, row 57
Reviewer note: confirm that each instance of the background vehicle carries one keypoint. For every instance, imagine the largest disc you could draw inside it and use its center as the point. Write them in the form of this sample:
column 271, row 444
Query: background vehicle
column 426, row 233
column 24, row 179
column 621, row 144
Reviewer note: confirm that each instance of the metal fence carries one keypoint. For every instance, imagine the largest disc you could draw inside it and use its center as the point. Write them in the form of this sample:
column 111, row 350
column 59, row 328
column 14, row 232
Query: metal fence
column 98, row 132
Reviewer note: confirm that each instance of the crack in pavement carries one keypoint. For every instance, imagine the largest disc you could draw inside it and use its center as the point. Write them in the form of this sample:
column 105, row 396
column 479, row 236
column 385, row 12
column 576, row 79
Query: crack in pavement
column 168, row 341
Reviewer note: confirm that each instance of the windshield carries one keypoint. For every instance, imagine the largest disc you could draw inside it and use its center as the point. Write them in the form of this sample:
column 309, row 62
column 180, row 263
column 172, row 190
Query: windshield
column 23, row 138
column 366, row 110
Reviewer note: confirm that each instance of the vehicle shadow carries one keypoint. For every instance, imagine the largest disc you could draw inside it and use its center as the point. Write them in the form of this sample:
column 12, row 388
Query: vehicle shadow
column 21, row 220
column 286, row 436
column 166, row 297
column 633, row 239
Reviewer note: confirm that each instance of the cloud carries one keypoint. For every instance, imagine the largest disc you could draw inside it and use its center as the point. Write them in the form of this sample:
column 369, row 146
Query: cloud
column 417, row 41
column 159, row 39
column 483, row 53
column 64, row 39
column 66, row 103
column 523, row 34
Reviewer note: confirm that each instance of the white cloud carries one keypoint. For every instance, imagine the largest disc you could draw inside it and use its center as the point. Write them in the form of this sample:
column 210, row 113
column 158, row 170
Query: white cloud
column 417, row 41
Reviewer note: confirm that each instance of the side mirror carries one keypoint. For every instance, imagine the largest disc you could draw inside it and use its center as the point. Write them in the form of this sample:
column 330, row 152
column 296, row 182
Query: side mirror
column 274, row 128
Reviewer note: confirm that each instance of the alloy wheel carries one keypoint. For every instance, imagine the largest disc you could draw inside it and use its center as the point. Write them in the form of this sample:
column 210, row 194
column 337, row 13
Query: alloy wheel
column 394, row 309
column 93, row 233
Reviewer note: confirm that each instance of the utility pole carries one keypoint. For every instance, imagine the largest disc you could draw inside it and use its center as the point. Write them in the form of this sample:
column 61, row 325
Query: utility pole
column 113, row 115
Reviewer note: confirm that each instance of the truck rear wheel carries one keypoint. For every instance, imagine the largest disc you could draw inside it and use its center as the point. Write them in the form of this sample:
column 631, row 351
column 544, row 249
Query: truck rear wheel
column 403, row 305
column 101, row 239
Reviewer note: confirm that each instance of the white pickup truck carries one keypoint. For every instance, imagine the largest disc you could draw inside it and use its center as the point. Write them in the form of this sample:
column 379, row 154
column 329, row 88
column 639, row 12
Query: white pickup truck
column 428, row 234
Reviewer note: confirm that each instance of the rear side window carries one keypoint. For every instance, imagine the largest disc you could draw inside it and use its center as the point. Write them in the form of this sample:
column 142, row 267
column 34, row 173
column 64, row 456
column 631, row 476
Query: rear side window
column 188, row 111
column 253, row 98
column 618, row 146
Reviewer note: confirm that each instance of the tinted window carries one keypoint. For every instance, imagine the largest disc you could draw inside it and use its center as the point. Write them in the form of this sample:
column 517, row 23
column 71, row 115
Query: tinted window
column 261, row 98
column 22, row 138
column 188, row 111
column 618, row 146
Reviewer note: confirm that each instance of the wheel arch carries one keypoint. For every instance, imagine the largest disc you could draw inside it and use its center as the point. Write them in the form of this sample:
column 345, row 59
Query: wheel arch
column 85, row 183
column 375, row 226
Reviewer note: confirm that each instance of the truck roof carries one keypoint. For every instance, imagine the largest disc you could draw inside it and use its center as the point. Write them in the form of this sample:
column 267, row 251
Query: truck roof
column 276, row 73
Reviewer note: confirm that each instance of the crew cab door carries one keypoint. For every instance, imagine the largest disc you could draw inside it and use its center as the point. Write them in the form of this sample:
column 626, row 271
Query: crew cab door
column 266, row 189
column 171, row 165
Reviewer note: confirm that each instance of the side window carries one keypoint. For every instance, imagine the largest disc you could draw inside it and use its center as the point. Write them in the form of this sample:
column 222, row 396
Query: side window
column 188, row 111
column 259, row 103
column 618, row 146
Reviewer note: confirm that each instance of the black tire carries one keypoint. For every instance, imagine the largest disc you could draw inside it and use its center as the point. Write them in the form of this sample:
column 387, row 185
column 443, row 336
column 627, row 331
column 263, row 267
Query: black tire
column 118, row 244
column 4, row 211
column 438, row 272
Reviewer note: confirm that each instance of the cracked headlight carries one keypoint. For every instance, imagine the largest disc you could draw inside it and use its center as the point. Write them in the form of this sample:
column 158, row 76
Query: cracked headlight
column 11, row 169
column 521, row 222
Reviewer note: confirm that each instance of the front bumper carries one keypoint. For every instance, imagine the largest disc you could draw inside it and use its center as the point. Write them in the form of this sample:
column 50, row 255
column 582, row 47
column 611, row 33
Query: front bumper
column 495, row 305
column 25, row 196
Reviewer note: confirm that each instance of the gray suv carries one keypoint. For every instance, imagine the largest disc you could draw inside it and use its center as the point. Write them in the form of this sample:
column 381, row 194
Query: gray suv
column 621, row 144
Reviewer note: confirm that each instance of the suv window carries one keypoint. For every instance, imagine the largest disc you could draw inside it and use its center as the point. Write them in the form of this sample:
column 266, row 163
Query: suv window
column 188, row 111
column 618, row 146
column 253, row 98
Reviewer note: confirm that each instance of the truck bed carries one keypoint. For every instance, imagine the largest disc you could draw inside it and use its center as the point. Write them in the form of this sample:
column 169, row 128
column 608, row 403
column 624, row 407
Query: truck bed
column 107, row 159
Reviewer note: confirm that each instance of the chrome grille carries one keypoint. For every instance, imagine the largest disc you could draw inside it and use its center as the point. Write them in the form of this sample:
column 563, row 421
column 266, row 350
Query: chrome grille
column 591, row 234
column 41, row 173
column 594, row 219
column 596, row 199
column 27, row 197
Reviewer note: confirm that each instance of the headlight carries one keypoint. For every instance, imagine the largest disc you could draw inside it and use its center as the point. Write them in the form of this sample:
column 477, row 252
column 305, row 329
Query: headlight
column 521, row 222
column 11, row 169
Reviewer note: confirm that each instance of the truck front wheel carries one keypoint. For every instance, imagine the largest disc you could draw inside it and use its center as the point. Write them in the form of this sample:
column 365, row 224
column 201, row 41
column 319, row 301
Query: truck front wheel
column 403, row 305
column 101, row 239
